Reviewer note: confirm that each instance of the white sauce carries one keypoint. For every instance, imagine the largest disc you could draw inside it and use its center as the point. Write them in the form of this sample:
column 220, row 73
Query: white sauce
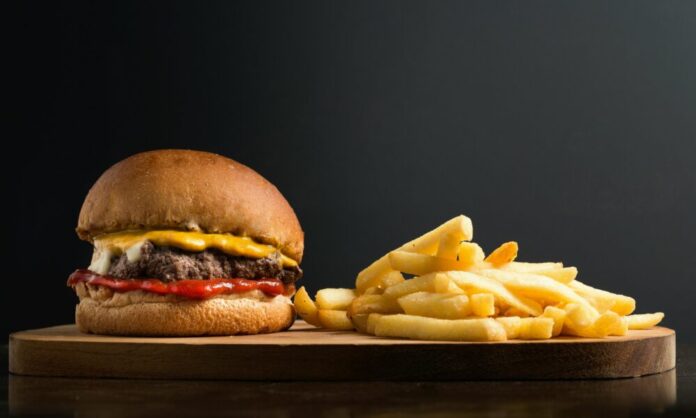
column 133, row 253
column 101, row 258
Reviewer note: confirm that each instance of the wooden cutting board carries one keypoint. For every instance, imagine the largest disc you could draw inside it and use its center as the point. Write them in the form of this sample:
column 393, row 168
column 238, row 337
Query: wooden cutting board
column 307, row 353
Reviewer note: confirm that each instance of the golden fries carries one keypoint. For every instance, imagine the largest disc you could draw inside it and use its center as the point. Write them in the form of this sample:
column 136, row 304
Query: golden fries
column 333, row 319
column 558, row 315
column 644, row 321
column 459, row 294
column 372, row 322
column 367, row 304
column 610, row 323
column 522, row 267
column 482, row 304
column 564, row 275
column 622, row 305
column 449, row 246
column 540, row 328
column 374, row 290
column 503, row 254
column 426, row 244
column 421, row 328
column 436, row 305
column 338, row 299
column 470, row 254
column 420, row 264
column 512, row 326
column 442, row 283
column 579, row 316
column 305, row 307
column 390, row 279
column 474, row 283
column 426, row 283
column 535, row 286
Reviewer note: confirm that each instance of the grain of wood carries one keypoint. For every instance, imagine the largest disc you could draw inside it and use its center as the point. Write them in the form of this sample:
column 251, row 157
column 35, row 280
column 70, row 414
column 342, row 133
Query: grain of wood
column 307, row 353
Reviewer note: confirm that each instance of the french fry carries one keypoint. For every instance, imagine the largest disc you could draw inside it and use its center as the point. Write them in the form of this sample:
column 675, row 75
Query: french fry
column 504, row 254
column 390, row 279
column 459, row 226
column 555, row 271
column 540, row 328
column 373, row 275
column 538, row 306
column 563, row 275
column 385, row 281
column 426, row 283
column 622, row 305
column 474, row 283
column 514, row 312
column 360, row 322
column 449, row 246
column 644, row 321
column 336, row 299
column 436, row 305
column 421, row 264
column 372, row 322
column 367, row 304
column 558, row 315
column 575, row 331
column 306, row 308
column 536, row 286
column 610, row 323
column 333, row 319
column 425, row 244
column 442, row 283
column 523, row 267
column 453, row 289
column 579, row 316
column 374, row 290
column 512, row 325
column 482, row 304
column 601, row 304
column 470, row 254
column 421, row 328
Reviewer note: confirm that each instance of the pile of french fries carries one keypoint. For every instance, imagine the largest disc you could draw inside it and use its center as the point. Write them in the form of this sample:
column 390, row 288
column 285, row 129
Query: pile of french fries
column 457, row 293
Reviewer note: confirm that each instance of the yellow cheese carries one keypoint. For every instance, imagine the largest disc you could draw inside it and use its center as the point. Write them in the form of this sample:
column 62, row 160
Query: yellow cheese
column 119, row 242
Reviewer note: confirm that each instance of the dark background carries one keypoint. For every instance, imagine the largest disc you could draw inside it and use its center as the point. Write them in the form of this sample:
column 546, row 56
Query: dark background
column 567, row 126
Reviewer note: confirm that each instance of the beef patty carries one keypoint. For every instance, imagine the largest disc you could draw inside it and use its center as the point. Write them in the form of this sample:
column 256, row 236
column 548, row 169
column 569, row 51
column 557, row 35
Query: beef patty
column 170, row 263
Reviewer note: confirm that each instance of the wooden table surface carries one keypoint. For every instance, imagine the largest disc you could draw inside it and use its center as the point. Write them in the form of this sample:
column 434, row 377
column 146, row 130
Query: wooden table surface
column 671, row 393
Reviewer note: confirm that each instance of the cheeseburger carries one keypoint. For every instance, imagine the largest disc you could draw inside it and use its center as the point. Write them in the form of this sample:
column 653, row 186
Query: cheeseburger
column 186, row 243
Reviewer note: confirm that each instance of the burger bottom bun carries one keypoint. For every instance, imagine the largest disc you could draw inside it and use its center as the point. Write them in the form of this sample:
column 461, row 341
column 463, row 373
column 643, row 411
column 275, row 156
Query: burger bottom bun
column 184, row 318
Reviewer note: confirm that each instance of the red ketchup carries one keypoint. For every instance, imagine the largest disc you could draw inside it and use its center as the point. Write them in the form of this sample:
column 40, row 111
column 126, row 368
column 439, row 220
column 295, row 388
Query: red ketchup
column 193, row 289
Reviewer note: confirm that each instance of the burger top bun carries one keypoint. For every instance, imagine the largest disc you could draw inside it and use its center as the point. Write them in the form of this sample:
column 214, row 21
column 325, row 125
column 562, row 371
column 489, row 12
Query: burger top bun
column 190, row 190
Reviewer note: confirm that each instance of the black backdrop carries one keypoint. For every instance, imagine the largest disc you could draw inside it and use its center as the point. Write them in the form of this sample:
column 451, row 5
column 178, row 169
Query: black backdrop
column 568, row 126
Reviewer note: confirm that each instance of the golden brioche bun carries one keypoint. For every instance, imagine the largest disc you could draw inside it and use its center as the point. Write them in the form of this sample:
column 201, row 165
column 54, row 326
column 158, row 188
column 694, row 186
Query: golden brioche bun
column 190, row 190
column 185, row 317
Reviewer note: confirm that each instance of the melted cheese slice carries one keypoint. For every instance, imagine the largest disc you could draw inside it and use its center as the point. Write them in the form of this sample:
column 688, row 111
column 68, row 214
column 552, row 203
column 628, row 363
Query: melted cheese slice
column 120, row 242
